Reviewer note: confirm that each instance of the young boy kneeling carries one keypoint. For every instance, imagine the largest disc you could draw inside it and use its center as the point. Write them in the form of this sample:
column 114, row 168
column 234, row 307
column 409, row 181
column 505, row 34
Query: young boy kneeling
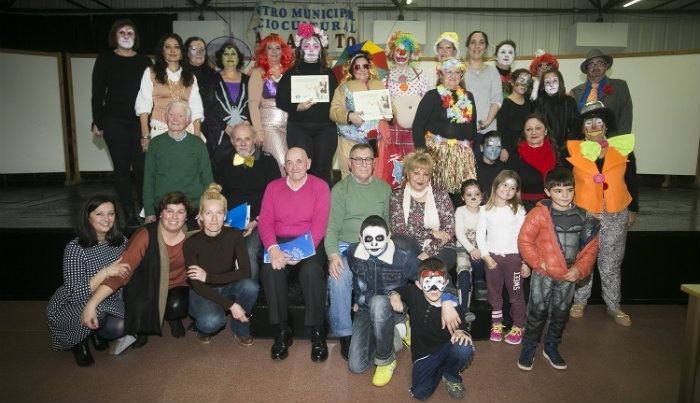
column 559, row 241
column 379, row 267
column 437, row 353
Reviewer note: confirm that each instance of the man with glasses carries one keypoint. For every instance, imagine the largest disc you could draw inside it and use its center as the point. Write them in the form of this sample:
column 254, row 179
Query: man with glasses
column 613, row 93
column 353, row 199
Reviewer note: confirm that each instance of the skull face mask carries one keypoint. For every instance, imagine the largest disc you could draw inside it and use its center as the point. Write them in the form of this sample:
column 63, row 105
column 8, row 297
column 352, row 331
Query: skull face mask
column 492, row 148
column 375, row 240
column 431, row 280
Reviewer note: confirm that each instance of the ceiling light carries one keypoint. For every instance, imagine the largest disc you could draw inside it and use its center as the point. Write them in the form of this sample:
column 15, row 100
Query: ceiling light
column 629, row 3
column 409, row 2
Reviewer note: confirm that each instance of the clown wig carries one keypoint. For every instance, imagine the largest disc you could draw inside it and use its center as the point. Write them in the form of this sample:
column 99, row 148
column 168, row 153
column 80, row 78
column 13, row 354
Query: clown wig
column 261, row 55
column 409, row 42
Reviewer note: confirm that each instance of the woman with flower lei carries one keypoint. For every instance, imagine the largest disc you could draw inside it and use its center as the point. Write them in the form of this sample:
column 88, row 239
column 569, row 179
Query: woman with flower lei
column 407, row 85
column 605, row 177
column 272, row 59
column 353, row 129
column 308, row 123
column 445, row 124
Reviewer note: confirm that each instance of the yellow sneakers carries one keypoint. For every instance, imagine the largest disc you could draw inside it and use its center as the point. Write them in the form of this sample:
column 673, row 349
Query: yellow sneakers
column 407, row 339
column 383, row 374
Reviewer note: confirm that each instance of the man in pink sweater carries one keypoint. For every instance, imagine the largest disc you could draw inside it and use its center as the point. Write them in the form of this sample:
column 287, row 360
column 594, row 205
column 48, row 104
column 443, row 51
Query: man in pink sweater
column 292, row 206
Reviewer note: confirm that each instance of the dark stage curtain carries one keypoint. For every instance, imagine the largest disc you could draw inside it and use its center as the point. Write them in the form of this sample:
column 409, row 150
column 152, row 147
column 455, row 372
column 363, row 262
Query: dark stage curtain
column 77, row 34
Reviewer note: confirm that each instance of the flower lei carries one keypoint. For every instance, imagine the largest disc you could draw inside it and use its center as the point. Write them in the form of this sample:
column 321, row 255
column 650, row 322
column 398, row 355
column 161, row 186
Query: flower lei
column 459, row 111
column 306, row 30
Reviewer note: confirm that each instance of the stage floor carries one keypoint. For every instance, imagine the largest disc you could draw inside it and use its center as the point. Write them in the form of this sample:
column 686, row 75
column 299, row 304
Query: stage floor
column 53, row 206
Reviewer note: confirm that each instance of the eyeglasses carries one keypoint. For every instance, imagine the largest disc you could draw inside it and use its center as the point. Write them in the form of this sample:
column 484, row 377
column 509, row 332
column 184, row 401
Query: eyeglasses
column 361, row 66
column 596, row 63
column 360, row 161
column 453, row 73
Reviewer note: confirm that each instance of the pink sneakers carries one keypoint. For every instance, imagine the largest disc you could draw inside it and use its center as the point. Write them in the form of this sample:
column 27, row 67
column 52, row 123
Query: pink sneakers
column 514, row 336
column 496, row 332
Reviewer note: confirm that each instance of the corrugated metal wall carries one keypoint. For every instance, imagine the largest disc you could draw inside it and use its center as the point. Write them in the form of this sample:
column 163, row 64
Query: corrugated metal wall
column 531, row 31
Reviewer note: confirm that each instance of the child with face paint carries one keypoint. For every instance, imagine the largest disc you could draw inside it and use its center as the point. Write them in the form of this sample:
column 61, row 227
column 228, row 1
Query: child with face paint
column 497, row 236
column 505, row 56
column 559, row 240
column 308, row 123
column 470, row 265
column 559, row 110
column 437, row 354
column 380, row 266
column 515, row 109
column 606, row 185
column 489, row 165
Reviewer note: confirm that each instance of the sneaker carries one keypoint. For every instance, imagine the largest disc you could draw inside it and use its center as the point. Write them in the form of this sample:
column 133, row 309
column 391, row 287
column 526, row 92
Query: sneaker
column 118, row 346
column 383, row 374
column 527, row 357
column 551, row 353
column 496, row 332
column 407, row 338
column 204, row 338
column 514, row 336
column 620, row 317
column 455, row 389
column 245, row 341
column 576, row 310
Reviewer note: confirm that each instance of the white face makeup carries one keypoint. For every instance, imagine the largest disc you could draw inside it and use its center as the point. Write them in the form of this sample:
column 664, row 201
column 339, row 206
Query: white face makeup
column 492, row 148
column 433, row 283
column 375, row 240
column 126, row 37
column 551, row 84
column 594, row 128
column 311, row 48
column 196, row 53
column 505, row 56
column 401, row 55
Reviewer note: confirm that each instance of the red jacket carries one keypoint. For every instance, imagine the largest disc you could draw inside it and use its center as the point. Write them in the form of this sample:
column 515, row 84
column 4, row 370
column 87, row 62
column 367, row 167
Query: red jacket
column 538, row 243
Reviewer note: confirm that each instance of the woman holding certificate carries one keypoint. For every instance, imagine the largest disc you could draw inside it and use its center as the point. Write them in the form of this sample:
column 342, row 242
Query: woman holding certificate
column 354, row 126
column 445, row 124
column 303, row 92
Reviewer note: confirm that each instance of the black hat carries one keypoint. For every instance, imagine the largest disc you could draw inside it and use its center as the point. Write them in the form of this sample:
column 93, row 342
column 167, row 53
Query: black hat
column 593, row 54
column 596, row 109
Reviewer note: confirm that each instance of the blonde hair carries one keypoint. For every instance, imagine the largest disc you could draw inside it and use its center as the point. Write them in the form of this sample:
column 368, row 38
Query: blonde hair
column 419, row 158
column 503, row 176
column 212, row 192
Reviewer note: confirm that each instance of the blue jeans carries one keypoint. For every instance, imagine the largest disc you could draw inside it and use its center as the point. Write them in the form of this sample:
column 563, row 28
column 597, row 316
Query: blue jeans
column 448, row 361
column 253, row 246
column 373, row 338
column 549, row 299
column 210, row 317
column 340, row 291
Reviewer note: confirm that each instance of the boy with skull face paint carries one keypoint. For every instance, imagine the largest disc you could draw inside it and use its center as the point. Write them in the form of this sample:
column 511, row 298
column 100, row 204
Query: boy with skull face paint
column 379, row 266
column 489, row 165
column 437, row 354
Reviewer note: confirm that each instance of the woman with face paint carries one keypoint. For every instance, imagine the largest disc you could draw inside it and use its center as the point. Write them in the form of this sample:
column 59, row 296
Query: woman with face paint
column 115, row 83
column 605, row 184
column 559, row 111
column 407, row 84
column 484, row 82
column 511, row 117
column 308, row 123
column 505, row 56
column 198, row 63
column 534, row 157
column 227, row 103
column 272, row 59
column 542, row 63
column 422, row 216
column 352, row 127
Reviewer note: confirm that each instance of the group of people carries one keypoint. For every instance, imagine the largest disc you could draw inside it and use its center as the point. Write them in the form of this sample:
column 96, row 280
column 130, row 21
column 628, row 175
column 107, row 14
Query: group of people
column 541, row 187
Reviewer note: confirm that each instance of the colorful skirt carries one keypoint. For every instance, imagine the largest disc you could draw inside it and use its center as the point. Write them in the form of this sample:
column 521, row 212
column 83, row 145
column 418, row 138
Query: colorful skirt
column 454, row 162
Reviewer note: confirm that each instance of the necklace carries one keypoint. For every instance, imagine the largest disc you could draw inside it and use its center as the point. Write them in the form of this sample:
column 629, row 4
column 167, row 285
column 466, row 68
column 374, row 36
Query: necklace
column 459, row 110
column 176, row 91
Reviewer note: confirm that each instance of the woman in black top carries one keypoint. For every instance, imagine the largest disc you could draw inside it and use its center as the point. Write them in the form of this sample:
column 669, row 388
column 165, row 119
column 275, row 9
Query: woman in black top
column 309, row 125
column 559, row 110
column 515, row 109
column 116, row 78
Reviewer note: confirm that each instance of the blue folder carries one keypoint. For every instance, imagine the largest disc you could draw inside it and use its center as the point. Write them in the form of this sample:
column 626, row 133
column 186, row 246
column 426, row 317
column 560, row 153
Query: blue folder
column 297, row 249
column 238, row 217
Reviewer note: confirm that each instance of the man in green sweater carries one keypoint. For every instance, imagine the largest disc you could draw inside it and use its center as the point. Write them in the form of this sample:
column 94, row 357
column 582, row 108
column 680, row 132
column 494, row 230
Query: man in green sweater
column 353, row 199
column 176, row 161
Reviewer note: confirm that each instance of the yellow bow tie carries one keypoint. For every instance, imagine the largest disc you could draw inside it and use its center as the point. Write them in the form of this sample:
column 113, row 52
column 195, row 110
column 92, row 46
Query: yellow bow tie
column 624, row 144
column 248, row 161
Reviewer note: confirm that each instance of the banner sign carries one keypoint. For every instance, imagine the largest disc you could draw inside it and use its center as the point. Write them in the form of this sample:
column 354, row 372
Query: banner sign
column 339, row 22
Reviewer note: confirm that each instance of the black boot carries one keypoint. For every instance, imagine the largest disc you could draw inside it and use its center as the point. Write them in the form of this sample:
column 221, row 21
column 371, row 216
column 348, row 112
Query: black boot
column 98, row 342
column 141, row 341
column 82, row 354
column 176, row 328
column 319, row 348
column 345, row 347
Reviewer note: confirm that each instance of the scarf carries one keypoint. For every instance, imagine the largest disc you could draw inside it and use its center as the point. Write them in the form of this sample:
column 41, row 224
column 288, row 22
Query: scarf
column 541, row 158
column 431, row 220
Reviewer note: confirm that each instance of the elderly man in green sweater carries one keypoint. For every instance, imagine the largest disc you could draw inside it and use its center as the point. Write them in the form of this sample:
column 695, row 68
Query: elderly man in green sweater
column 353, row 199
column 176, row 162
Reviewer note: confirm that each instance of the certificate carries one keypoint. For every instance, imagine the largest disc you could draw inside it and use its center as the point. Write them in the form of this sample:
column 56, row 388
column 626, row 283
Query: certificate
column 310, row 88
column 374, row 104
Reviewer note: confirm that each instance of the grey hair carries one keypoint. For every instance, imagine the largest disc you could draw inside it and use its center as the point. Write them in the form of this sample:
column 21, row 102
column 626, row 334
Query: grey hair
column 179, row 102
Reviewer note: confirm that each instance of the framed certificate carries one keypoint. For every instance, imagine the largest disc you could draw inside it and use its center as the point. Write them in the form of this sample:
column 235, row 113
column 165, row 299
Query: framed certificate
column 310, row 88
column 374, row 104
